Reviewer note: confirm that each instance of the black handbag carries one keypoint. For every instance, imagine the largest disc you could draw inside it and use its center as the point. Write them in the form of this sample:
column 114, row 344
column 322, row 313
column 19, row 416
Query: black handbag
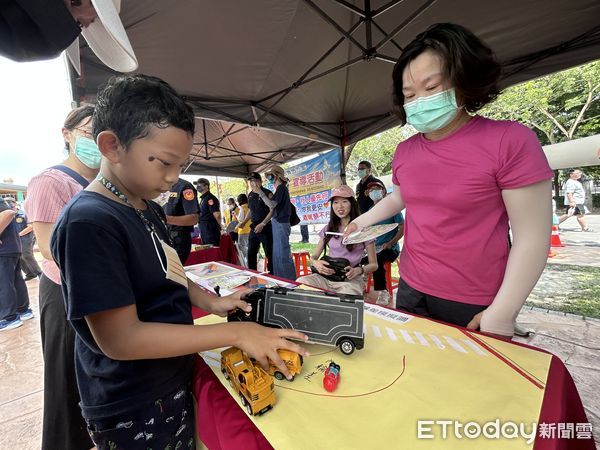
column 337, row 264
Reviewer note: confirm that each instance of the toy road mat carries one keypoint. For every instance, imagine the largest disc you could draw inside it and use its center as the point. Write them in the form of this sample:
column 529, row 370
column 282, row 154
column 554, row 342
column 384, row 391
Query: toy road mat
column 212, row 274
column 410, row 369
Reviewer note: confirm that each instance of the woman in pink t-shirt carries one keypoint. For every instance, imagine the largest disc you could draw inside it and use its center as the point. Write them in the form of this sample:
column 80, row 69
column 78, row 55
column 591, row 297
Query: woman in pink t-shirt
column 461, row 179
column 47, row 194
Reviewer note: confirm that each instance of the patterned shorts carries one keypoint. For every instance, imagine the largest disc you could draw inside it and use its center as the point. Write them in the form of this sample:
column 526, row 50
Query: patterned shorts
column 168, row 424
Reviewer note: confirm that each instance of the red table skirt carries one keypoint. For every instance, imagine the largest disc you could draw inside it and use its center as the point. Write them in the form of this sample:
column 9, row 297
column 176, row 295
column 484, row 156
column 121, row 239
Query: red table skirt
column 224, row 252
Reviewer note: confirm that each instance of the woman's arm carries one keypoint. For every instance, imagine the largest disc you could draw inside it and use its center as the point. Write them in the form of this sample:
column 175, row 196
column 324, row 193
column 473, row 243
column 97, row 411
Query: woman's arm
column 392, row 204
column 43, row 233
column 367, row 268
column 396, row 238
column 321, row 266
column 530, row 214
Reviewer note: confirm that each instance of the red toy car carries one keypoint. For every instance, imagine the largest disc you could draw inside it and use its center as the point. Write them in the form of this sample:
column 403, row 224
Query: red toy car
column 331, row 377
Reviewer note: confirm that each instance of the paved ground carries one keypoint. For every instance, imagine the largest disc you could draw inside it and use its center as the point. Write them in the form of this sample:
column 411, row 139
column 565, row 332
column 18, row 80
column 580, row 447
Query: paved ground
column 572, row 338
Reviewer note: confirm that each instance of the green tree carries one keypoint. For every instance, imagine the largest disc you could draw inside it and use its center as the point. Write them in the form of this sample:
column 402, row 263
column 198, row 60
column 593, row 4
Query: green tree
column 232, row 187
column 378, row 149
column 558, row 107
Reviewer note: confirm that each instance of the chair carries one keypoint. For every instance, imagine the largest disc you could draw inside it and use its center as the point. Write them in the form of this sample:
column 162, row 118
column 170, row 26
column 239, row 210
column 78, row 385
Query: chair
column 390, row 282
column 301, row 263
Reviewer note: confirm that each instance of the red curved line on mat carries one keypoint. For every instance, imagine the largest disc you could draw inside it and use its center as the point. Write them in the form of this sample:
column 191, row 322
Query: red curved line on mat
column 350, row 396
column 504, row 360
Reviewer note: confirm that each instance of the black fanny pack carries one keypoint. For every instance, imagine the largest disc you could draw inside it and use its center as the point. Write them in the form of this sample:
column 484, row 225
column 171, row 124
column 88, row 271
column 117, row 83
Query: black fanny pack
column 337, row 264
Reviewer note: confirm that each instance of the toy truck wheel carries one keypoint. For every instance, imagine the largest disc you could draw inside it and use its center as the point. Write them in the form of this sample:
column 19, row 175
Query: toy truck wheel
column 347, row 346
column 249, row 409
column 225, row 374
column 279, row 376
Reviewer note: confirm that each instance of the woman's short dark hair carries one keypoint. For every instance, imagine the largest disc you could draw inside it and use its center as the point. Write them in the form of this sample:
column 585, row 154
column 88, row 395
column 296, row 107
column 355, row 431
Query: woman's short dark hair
column 242, row 199
column 75, row 117
column 467, row 62
column 129, row 105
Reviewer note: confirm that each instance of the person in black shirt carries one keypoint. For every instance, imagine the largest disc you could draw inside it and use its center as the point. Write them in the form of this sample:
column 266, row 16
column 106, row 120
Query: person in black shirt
column 260, row 229
column 29, row 265
column 182, row 214
column 283, row 265
column 210, row 214
column 14, row 299
column 126, row 294
column 364, row 172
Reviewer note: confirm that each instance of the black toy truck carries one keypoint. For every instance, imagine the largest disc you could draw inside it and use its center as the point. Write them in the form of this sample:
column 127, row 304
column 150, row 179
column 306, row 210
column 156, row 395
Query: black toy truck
column 328, row 319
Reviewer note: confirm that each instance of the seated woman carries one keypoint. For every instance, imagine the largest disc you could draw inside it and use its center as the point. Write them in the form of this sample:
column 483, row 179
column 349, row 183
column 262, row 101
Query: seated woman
column 386, row 246
column 344, row 209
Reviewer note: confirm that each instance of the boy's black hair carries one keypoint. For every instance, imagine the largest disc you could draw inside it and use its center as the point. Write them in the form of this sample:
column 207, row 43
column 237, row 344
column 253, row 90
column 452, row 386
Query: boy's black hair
column 467, row 62
column 129, row 105
column 365, row 163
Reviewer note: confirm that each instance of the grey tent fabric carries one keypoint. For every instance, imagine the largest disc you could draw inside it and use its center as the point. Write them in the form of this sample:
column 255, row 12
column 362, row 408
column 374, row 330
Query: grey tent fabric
column 319, row 71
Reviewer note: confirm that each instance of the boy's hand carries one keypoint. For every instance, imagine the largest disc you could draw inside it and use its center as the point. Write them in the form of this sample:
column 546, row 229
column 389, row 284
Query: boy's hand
column 222, row 305
column 262, row 343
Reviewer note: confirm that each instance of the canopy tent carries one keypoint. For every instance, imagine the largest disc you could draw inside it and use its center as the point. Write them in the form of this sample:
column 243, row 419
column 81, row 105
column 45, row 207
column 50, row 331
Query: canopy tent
column 319, row 71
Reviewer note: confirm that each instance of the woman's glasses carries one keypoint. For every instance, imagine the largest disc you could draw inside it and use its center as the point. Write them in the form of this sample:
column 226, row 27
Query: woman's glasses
column 86, row 133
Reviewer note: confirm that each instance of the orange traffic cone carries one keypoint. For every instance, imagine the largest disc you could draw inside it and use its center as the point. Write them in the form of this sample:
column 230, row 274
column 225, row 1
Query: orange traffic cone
column 552, row 253
column 555, row 238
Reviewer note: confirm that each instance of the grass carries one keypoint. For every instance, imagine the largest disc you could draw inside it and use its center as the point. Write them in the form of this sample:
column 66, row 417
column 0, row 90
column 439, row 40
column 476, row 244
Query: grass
column 570, row 289
column 298, row 247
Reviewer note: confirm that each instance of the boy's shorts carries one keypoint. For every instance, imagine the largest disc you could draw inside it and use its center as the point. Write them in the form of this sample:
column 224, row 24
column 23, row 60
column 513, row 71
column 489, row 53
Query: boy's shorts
column 167, row 422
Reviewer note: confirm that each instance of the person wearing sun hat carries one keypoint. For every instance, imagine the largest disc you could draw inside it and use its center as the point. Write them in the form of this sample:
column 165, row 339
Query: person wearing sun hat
column 33, row 30
column 344, row 208
column 283, row 265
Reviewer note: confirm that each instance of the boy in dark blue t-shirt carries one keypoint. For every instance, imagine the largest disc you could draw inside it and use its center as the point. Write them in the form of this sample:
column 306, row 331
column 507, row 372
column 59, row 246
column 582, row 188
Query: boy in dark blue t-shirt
column 125, row 290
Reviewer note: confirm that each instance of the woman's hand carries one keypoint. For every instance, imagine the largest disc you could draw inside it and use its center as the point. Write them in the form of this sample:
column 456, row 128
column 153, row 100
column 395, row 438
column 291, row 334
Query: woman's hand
column 350, row 228
column 353, row 272
column 475, row 324
column 223, row 305
column 323, row 267
column 262, row 343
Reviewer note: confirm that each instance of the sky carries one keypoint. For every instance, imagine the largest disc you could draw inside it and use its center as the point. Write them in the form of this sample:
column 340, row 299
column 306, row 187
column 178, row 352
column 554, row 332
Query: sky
column 34, row 101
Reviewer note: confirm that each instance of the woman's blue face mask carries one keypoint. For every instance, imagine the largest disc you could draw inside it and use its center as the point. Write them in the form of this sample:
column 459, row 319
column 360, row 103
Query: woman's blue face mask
column 87, row 152
column 428, row 114
column 376, row 195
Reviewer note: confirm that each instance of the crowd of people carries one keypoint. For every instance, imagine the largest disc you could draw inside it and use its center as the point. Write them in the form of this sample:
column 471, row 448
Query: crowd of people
column 115, row 304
